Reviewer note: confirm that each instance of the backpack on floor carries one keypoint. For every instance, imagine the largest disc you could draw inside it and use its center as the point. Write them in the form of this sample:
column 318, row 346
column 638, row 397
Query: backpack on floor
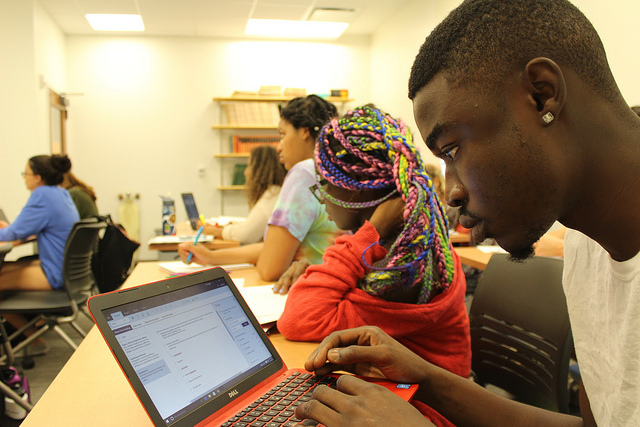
column 17, row 381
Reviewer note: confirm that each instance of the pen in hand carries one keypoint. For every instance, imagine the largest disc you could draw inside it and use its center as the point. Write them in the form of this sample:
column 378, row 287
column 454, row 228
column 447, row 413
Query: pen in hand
column 195, row 242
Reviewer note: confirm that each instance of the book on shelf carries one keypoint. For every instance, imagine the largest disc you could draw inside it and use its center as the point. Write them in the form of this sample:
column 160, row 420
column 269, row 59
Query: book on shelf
column 245, row 143
column 241, row 93
column 252, row 113
column 238, row 174
column 270, row 91
column 295, row 92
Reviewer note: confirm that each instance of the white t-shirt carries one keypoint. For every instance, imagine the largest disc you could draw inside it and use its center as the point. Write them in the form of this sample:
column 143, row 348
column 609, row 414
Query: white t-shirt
column 603, row 297
column 252, row 230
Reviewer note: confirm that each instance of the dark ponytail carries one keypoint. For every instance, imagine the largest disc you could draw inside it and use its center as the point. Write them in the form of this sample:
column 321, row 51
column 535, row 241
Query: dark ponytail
column 50, row 168
column 311, row 112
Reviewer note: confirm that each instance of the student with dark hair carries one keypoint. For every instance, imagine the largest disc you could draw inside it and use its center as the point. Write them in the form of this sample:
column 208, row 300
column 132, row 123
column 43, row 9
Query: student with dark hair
column 49, row 215
column 299, row 226
column 82, row 194
column 398, row 270
column 518, row 99
column 264, row 175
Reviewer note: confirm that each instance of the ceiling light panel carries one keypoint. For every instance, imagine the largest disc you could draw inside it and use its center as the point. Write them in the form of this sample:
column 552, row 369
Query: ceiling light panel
column 115, row 22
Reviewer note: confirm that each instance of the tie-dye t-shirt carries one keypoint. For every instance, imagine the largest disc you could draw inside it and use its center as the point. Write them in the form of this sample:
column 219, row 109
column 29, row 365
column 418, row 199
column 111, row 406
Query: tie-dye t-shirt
column 302, row 215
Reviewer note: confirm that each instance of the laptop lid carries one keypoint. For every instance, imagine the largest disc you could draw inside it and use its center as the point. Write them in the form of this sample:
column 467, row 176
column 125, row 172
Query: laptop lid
column 189, row 345
column 191, row 348
column 192, row 210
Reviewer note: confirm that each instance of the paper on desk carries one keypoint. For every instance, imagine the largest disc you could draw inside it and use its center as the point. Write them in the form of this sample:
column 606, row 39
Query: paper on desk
column 158, row 240
column 179, row 267
column 491, row 249
column 265, row 305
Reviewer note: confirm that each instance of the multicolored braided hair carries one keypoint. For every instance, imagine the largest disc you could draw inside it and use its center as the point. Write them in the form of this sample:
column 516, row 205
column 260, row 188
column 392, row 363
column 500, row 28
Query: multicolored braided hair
column 369, row 150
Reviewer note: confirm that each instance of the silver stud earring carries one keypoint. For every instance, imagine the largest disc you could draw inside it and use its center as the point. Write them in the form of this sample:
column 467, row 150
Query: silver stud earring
column 548, row 118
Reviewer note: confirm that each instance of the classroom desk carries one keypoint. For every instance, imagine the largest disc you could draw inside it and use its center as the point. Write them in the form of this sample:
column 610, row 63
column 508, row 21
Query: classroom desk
column 184, row 229
column 457, row 238
column 473, row 257
column 15, row 243
column 92, row 390
column 214, row 244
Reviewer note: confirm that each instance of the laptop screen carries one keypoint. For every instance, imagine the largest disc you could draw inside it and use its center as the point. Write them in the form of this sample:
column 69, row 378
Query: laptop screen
column 188, row 346
column 192, row 210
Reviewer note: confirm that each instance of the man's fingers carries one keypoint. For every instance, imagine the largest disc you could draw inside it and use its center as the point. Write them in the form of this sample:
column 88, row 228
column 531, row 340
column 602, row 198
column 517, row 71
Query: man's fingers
column 317, row 409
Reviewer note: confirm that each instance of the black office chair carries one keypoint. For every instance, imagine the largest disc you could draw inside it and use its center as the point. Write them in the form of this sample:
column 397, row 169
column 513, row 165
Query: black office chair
column 520, row 334
column 50, row 309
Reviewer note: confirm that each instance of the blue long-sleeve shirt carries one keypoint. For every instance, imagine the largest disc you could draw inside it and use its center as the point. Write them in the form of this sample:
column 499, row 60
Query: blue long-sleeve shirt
column 49, row 214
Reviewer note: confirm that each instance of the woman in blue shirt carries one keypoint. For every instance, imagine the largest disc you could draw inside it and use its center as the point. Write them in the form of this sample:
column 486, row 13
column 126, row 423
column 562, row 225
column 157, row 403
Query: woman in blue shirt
column 49, row 215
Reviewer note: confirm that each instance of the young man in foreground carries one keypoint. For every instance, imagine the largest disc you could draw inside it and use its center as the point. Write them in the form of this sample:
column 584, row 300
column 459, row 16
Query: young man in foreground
column 518, row 99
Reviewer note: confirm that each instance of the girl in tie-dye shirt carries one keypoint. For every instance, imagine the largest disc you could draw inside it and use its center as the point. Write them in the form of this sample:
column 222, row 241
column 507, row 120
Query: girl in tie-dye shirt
column 299, row 228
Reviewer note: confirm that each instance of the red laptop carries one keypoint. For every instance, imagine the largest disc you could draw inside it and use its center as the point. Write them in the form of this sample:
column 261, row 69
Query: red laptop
column 195, row 355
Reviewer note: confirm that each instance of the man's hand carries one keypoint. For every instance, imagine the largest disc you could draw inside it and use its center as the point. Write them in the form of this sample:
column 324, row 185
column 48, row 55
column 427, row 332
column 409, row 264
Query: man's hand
column 359, row 403
column 288, row 278
column 368, row 351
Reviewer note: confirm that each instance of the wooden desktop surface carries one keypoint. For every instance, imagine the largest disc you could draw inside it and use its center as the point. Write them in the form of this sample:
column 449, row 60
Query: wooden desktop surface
column 92, row 390
column 457, row 238
column 15, row 243
column 184, row 229
column 214, row 244
column 473, row 257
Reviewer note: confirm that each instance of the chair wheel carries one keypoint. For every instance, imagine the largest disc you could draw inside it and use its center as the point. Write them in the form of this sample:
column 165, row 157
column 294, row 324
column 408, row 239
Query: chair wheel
column 28, row 363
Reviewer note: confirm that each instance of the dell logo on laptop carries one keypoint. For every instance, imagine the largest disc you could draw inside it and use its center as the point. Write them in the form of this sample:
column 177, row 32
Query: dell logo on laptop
column 233, row 393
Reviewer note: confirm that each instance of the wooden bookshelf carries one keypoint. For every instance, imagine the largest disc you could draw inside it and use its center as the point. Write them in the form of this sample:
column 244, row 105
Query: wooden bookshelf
column 250, row 98
column 231, row 155
column 231, row 187
column 245, row 127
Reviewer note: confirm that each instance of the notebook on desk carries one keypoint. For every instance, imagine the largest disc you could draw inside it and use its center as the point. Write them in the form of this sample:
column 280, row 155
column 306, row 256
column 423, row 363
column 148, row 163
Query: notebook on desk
column 195, row 354
column 192, row 210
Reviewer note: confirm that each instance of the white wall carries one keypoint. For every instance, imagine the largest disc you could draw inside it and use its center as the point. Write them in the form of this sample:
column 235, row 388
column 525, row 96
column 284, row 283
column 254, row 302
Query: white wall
column 18, row 118
column 396, row 44
column 393, row 50
column 144, row 122
column 30, row 44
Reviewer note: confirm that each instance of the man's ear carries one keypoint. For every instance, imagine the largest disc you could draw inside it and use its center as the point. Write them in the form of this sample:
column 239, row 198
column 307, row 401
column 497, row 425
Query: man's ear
column 547, row 88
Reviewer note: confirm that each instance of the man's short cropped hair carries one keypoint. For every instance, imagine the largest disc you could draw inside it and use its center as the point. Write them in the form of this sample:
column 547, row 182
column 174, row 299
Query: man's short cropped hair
column 483, row 41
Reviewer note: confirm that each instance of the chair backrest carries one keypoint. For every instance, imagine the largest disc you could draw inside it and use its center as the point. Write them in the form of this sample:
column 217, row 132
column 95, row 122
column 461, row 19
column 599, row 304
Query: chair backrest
column 76, row 266
column 520, row 334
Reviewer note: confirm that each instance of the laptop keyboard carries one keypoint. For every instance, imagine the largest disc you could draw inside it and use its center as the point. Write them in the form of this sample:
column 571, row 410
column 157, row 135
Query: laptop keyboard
column 277, row 406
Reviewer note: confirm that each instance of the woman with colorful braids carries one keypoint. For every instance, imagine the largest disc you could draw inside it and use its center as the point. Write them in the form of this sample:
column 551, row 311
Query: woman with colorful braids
column 397, row 270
